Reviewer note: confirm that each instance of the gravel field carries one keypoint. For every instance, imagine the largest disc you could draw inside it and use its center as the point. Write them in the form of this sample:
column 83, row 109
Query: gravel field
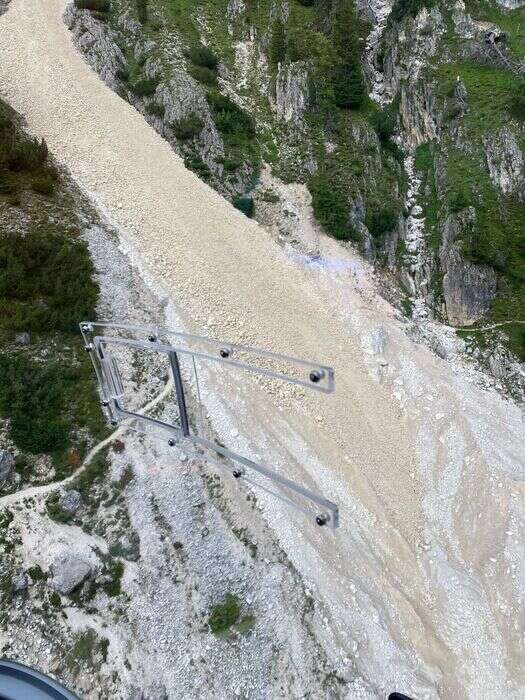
column 423, row 582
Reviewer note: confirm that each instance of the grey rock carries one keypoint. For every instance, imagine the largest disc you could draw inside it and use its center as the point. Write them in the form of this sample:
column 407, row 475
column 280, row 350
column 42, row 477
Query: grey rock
column 70, row 501
column 468, row 289
column 69, row 572
column 23, row 339
column 19, row 583
column 505, row 162
column 291, row 91
column 7, row 464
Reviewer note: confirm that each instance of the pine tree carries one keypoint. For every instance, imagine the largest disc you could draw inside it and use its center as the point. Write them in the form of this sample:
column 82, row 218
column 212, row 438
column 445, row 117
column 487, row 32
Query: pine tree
column 349, row 84
column 278, row 43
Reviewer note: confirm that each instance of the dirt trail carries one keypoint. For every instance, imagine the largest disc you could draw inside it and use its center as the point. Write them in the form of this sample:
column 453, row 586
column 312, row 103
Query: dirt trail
column 93, row 452
column 418, row 583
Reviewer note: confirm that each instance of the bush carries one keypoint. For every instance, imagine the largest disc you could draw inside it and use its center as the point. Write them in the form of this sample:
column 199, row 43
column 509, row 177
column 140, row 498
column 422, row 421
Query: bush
column 331, row 207
column 145, row 87
column 115, row 569
column 155, row 109
column 95, row 5
column 21, row 153
column 405, row 8
column 204, row 75
column 54, row 510
column 384, row 124
column 458, row 201
column 381, row 222
column 33, row 396
column 348, row 82
column 122, row 74
column 244, row 204
column 225, row 615
column 46, row 282
column 43, row 184
column 142, row 11
column 187, row 127
column 195, row 163
column 202, row 56
column 517, row 106
column 278, row 43
column 229, row 118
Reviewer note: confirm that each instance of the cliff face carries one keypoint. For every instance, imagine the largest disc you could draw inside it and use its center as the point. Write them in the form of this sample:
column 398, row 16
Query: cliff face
column 404, row 120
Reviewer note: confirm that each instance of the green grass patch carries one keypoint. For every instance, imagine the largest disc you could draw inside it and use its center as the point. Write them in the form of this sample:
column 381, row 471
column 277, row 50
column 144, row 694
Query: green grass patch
column 224, row 615
column 480, row 81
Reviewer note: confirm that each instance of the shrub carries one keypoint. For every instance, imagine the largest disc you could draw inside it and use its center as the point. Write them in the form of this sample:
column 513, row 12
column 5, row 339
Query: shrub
column 348, row 82
column 43, row 184
column 145, row 86
column 225, row 615
column 26, row 154
column 122, row 74
column 229, row 118
column 244, row 204
column 46, row 282
column 95, row 5
column 33, row 396
column 384, row 124
column 381, row 222
column 204, row 75
column 458, row 201
column 142, row 11
column 202, row 56
column 230, row 164
column 331, row 207
column 187, row 127
column 405, row 8
column 195, row 163
column 517, row 106
column 155, row 109
column 115, row 569
column 54, row 510
column 278, row 43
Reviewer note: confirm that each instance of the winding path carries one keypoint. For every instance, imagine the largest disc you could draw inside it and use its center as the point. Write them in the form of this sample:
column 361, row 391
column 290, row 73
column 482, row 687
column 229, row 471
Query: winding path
column 33, row 491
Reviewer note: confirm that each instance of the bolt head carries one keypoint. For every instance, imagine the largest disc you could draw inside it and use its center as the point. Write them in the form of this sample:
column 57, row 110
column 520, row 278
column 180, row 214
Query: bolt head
column 321, row 520
column 224, row 353
column 171, row 442
column 152, row 338
column 237, row 473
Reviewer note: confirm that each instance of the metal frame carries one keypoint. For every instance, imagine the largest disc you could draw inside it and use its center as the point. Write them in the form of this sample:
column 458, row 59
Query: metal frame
column 292, row 370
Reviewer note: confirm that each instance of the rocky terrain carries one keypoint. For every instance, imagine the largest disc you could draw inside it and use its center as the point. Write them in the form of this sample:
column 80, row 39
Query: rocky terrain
column 130, row 559
column 390, row 172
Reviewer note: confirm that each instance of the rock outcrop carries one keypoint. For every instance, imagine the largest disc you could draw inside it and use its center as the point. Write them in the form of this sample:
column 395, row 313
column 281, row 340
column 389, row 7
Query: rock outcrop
column 7, row 465
column 468, row 289
column 69, row 572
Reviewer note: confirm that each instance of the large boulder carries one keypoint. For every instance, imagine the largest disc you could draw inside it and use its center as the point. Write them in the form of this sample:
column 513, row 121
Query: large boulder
column 70, row 501
column 69, row 572
column 7, row 465
column 19, row 583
